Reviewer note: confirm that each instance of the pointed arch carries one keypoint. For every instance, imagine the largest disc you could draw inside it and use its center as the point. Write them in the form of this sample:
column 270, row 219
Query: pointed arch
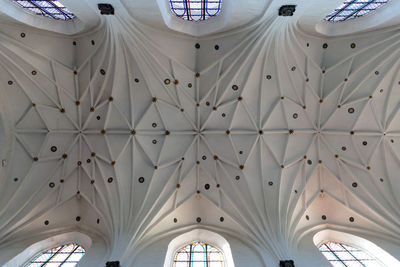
column 30, row 253
column 213, row 240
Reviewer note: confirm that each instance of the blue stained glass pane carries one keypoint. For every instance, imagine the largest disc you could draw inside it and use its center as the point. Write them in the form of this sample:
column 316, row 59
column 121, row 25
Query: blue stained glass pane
column 48, row 8
column 351, row 9
column 195, row 10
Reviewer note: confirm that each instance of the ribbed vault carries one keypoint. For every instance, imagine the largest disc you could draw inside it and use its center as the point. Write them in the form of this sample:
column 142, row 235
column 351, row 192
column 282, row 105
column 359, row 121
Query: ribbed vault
column 277, row 132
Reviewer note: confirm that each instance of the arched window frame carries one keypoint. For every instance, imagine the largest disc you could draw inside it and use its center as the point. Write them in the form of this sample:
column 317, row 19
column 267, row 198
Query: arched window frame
column 199, row 242
column 201, row 235
column 351, row 252
column 367, row 246
column 47, row 8
column 195, row 29
column 363, row 8
column 55, row 241
column 208, row 10
column 53, row 253
column 86, row 17
column 382, row 17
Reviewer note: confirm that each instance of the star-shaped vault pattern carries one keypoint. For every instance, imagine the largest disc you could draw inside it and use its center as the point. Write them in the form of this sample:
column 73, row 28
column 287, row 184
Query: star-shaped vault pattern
column 265, row 136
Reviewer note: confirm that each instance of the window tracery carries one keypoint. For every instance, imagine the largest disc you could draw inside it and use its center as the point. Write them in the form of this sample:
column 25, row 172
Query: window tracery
column 66, row 256
column 339, row 254
column 195, row 10
column 199, row 254
column 48, row 8
column 351, row 9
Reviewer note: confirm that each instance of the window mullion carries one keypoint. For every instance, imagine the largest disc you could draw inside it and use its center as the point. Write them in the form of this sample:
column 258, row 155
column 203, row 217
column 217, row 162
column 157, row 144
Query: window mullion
column 343, row 9
column 59, row 9
column 43, row 9
column 199, row 252
column 190, row 256
column 69, row 256
column 352, row 255
column 207, row 260
column 337, row 257
column 187, row 9
column 203, row 5
column 49, row 259
column 358, row 10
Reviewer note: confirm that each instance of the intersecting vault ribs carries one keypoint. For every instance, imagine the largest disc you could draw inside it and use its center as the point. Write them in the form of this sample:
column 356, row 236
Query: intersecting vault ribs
column 261, row 141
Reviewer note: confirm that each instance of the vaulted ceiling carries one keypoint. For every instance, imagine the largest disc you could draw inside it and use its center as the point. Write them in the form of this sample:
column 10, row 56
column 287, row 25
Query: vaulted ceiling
column 265, row 131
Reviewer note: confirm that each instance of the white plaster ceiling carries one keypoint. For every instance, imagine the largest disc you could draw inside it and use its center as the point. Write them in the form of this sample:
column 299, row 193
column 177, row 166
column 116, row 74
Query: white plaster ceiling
column 266, row 121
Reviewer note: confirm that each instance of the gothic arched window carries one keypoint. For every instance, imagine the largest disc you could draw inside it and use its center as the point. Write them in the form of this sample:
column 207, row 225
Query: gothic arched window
column 48, row 8
column 199, row 254
column 339, row 254
column 195, row 10
column 353, row 9
column 66, row 255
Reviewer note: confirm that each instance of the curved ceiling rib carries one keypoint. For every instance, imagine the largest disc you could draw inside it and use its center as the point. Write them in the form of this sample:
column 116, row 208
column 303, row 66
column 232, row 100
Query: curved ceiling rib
column 269, row 130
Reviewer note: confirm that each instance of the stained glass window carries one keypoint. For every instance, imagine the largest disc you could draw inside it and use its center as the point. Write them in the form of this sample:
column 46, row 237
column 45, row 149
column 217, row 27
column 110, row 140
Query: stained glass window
column 340, row 255
column 48, row 8
column 66, row 256
column 198, row 255
column 353, row 9
column 195, row 10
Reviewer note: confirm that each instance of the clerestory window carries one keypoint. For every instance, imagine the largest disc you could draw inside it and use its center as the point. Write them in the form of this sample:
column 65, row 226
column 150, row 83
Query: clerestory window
column 351, row 9
column 199, row 254
column 66, row 256
column 48, row 8
column 195, row 10
column 341, row 255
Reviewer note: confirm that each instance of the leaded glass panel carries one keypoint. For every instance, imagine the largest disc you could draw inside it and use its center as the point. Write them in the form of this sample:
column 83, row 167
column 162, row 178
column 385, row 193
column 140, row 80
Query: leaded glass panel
column 198, row 254
column 353, row 9
column 344, row 255
column 48, row 8
column 195, row 10
column 66, row 256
